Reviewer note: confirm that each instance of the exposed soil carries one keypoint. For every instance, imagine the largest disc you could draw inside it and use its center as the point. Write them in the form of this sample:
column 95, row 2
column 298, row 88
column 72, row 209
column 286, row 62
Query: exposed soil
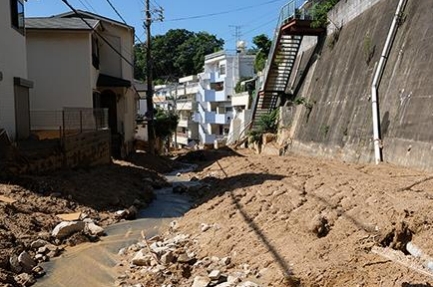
column 97, row 192
column 301, row 221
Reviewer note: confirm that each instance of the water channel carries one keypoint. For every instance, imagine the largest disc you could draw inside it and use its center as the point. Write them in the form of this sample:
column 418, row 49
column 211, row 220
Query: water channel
column 91, row 264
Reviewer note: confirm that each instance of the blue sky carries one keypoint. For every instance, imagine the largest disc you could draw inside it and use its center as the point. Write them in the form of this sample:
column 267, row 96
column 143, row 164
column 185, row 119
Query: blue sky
column 253, row 17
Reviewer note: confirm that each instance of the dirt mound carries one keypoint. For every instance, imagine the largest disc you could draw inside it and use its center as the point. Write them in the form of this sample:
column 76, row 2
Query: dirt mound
column 29, row 206
column 315, row 219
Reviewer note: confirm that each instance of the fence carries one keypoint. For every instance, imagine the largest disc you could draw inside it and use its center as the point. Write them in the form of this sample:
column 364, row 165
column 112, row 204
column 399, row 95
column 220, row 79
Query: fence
column 70, row 121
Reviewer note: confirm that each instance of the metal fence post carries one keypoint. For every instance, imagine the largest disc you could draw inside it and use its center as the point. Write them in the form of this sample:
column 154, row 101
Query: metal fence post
column 81, row 121
column 63, row 123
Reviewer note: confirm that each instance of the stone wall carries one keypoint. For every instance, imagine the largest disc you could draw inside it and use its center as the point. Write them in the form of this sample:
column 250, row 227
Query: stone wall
column 82, row 150
column 87, row 149
column 338, row 88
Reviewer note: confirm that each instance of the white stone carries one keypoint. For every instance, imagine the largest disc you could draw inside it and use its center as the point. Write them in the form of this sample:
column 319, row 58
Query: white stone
column 204, row 227
column 248, row 284
column 66, row 228
column 94, row 229
column 215, row 274
column 200, row 281
column 141, row 259
column 226, row 261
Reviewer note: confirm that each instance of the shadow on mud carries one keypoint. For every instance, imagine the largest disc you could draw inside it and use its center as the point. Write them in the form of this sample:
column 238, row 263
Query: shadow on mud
column 241, row 181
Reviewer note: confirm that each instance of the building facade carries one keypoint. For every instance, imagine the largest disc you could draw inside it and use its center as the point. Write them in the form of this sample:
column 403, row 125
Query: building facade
column 84, row 61
column 14, row 83
column 222, row 71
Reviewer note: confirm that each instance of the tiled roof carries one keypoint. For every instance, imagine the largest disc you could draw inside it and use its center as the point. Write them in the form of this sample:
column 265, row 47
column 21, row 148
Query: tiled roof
column 54, row 23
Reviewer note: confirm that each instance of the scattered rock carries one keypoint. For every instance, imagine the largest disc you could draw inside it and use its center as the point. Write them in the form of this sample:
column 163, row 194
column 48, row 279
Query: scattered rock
column 94, row 229
column 200, row 281
column 215, row 274
column 38, row 243
column 14, row 264
column 167, row 258
column 66, row 228
column 184, row 258
column 204, row 227
column 141, row 259
column 25, row 279
column 38, row 271
column 248, row 284
column 226, row 261
column 26, row 262
column 319, row 226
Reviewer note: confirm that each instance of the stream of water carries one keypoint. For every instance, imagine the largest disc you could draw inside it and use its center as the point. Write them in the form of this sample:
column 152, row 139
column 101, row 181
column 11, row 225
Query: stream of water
column 91, row 264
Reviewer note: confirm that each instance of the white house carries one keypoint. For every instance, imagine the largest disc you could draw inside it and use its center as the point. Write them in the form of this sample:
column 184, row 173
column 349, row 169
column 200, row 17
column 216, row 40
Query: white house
column 14, row 86
column 222, row 71
column 83, row 61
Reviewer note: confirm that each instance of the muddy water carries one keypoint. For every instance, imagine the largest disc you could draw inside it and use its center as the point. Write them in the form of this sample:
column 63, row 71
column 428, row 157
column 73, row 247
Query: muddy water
column 91, row 264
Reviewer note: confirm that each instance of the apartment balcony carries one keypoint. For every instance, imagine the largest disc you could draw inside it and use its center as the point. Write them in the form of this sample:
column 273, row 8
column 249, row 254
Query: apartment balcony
column 205, row 95
column 182, row 138
column 206, row 138
column 184, row 105
column 242, row 99
column 212, row 117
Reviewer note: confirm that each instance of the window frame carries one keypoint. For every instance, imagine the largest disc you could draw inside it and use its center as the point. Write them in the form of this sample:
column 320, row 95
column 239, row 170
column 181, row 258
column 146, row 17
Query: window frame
column 17, row 15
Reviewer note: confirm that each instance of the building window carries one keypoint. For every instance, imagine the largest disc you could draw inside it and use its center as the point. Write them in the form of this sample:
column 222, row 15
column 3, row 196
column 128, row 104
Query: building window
column 17, row 15
column 219, row 86
column 222, row 69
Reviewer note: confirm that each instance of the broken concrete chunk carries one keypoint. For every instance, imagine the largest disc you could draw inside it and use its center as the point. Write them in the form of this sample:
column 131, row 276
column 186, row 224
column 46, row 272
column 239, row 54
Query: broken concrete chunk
column 215, row 274
column 200, row 281
column 141, row 259
column 167, row 258
column 94, row 229
column 184, row 258
column 26, row 262
column 67, row 228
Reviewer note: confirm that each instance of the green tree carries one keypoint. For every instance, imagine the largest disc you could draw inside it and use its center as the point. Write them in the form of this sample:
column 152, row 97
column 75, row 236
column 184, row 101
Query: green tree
column 319, row 11
column 177, row 53
column 262, row 47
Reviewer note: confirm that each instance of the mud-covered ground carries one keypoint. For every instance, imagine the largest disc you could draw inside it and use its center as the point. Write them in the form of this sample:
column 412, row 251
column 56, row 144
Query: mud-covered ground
column 96, row 192
column 298, row 221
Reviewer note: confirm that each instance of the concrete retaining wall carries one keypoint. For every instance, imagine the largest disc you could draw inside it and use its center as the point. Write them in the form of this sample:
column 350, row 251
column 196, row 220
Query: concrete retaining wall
column 338, row 85
column 86, row 149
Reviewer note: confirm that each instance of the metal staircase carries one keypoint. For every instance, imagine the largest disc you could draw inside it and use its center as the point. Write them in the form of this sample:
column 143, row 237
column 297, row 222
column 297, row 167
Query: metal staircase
column 293, row 25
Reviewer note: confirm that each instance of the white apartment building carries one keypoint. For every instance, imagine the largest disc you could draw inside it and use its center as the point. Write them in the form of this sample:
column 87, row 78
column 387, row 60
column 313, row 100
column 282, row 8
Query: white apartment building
column 222, row 71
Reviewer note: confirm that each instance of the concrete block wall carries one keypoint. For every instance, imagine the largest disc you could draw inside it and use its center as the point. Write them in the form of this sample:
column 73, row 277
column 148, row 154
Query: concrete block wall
column 87, row 149
column 338, row 86
column 83, row 150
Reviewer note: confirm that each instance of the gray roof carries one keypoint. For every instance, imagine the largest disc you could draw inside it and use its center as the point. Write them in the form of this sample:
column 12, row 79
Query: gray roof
column 54, row 23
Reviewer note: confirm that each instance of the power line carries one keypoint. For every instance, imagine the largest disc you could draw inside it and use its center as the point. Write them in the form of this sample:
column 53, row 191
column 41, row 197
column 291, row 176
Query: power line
column 90, row 5
column 97, row 33
column 222, row 12
column 123, row 19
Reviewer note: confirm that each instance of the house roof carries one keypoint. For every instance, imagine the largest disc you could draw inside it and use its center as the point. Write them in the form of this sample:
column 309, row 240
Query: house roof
column 54, row 23
column 89, row 15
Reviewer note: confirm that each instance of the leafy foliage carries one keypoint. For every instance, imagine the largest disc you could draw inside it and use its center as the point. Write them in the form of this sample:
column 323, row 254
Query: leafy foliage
column 165, row 123
column 319, row 11
column 262, row 47
column 175, row 54
column 266, row 124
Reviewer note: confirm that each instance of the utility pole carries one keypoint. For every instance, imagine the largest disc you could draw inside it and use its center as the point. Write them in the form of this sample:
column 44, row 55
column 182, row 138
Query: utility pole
column 149, row 78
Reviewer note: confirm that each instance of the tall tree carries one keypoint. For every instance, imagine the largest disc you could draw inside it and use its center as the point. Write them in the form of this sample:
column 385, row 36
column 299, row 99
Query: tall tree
column 177, row 53
column 262, row 46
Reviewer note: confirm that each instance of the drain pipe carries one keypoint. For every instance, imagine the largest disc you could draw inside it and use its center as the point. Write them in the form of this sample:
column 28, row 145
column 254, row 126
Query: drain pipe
column 376, row 81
